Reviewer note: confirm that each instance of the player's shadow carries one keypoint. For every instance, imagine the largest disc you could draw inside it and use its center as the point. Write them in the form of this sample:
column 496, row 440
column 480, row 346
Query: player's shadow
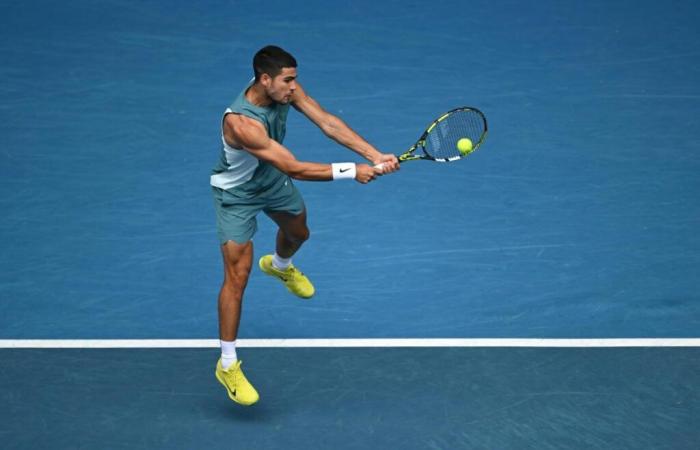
column 228, row 410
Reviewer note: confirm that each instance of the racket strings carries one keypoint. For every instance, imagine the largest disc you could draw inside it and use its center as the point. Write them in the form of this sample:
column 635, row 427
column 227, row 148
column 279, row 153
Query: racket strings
column 441, row 142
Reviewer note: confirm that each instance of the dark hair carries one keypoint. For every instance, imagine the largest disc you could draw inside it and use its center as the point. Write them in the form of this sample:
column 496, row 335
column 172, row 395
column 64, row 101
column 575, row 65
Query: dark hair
column 271, row 60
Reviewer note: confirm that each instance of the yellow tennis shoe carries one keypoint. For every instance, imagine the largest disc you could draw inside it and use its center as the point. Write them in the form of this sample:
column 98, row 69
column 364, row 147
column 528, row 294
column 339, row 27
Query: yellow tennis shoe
column 296, row 282
column 237, row 385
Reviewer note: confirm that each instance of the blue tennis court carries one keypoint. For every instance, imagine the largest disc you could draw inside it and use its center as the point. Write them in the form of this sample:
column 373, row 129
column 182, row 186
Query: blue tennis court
column 576, row 219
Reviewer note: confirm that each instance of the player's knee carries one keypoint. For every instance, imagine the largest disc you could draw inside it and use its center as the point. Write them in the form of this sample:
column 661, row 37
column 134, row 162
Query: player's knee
column 301, row 235
column 297, row 235
column 236, row 274
column 236, row 280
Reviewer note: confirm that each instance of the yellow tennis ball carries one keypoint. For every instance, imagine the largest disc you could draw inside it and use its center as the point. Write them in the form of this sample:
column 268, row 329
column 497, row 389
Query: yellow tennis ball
column 464, row 145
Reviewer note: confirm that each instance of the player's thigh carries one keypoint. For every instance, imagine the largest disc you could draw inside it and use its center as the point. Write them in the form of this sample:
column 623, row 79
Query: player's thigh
column 287, row 209
column 293, row 226
column 235, row 216
column 238, row 260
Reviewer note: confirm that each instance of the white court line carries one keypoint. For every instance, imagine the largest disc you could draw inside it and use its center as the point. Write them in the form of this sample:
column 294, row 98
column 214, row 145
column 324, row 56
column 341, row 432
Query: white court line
column 295, row 343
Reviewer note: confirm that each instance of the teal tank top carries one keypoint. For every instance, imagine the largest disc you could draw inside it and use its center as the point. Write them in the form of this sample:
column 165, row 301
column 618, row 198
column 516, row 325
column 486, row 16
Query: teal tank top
column 238, row 169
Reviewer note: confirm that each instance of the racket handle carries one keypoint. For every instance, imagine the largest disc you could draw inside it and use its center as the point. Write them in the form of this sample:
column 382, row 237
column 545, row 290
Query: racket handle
column 380, row 166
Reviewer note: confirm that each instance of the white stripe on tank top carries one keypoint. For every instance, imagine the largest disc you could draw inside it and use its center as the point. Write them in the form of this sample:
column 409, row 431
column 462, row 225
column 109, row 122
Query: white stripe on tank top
column 241, row 166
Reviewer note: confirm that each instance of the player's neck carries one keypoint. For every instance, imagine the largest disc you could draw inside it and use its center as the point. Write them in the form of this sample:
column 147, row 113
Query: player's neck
column 256, row 95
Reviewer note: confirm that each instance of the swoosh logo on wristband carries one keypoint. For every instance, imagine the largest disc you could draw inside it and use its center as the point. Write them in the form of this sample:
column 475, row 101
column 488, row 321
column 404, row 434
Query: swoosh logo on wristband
column 344, row 170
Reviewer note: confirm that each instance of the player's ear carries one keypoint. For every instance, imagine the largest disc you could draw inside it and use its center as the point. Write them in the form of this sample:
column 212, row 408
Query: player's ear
column 266, row 80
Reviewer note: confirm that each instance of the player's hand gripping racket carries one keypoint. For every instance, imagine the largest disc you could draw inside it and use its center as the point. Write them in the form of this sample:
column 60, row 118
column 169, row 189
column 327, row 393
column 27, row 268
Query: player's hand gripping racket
column 452, row 136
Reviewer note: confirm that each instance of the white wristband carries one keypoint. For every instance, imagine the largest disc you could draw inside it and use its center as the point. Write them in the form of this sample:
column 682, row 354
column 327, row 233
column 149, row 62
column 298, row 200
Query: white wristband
column 344, row 171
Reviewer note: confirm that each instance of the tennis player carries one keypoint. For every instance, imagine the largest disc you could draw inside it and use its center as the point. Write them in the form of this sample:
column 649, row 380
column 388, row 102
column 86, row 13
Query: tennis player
column 253, row 174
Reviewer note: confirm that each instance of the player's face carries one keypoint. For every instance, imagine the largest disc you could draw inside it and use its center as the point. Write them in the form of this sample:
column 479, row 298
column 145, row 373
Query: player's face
column 282, row 87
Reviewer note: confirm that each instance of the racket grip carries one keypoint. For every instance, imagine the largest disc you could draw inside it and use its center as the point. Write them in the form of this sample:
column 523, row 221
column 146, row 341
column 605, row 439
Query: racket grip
column 380, row 166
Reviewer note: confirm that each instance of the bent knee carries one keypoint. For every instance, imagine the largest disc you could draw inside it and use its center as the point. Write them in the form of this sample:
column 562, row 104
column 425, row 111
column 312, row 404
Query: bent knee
column 299, row 235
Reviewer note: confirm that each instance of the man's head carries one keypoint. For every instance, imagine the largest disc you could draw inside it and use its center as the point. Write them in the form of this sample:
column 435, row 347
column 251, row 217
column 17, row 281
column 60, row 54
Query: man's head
column 275, row 70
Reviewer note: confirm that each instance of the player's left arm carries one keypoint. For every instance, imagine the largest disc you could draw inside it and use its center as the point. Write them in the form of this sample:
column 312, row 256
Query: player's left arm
column 333, row 127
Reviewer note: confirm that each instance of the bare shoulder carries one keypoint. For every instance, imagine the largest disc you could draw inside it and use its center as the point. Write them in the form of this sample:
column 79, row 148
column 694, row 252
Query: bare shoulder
column 241, row 131
column 238, row 123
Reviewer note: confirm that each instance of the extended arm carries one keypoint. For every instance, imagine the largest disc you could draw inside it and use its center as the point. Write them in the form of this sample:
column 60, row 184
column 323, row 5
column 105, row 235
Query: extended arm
column 333, row 127
column 241, row 131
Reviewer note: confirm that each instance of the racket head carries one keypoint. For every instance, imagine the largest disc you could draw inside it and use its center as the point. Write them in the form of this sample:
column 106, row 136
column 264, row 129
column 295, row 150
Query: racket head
column 439, row 141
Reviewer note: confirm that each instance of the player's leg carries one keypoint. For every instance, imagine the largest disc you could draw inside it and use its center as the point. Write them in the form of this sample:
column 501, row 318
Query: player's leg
column 238, row 259
column 286, row 208
column 293, row 232
column 236, row 225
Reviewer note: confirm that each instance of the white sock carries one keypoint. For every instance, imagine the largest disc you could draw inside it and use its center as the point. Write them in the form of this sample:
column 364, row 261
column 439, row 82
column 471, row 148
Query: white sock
column 228, row 354
column 280, row 263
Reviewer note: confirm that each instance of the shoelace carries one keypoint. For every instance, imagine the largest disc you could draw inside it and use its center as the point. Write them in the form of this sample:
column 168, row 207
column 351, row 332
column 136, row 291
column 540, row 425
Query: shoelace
column 290, row 272
column 237, row 375
column 295, row 273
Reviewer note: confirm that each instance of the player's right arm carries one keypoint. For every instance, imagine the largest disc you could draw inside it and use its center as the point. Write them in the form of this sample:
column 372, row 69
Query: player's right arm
column 250, row 135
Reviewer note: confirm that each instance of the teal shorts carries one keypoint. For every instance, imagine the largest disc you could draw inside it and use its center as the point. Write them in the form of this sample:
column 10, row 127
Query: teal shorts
column 236, row 209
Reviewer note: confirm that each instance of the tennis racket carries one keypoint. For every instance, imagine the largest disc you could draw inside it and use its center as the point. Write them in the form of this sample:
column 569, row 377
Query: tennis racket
column 445, row 139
